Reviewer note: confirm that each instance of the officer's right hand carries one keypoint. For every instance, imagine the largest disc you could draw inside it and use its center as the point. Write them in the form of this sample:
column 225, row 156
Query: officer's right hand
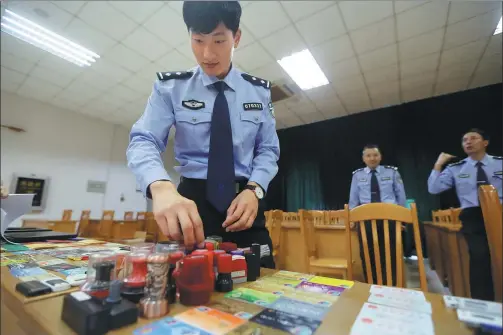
column 176, row 216
column 444, row 158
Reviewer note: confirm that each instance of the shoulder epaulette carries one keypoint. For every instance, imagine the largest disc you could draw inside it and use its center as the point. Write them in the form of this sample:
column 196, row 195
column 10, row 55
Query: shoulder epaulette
column 360, row 169
column 498, row 157
column 390, row 167
column 163, row 76
column 457, row 163
column 256, row 81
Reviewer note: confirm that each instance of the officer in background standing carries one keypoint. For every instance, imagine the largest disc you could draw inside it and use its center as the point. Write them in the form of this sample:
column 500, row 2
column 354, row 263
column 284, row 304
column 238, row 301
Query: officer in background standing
column 466, row 176
column 377, row 183
column 225, row 141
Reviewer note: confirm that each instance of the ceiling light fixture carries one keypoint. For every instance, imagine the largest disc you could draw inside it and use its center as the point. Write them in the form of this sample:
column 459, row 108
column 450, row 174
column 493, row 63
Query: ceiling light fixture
column 498, row 27
column 303, row 69
column 30, row 32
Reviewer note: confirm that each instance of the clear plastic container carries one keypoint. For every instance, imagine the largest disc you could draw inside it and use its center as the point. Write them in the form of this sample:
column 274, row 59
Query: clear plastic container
column 100, row 272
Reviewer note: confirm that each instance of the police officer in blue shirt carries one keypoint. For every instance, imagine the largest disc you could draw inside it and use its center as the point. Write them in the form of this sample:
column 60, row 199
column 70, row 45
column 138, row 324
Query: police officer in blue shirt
column 478, row 168
column 377, row 183
column 225, row 140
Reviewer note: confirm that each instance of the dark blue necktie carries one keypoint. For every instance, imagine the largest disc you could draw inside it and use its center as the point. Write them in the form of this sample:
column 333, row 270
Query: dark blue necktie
column 375, row 192
column 481, row 175
column 220, row 185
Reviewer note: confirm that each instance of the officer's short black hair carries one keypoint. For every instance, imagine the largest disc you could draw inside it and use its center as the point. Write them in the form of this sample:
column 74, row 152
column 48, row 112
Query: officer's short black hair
column 482, row 133
column 371, row 146
column 202, row 17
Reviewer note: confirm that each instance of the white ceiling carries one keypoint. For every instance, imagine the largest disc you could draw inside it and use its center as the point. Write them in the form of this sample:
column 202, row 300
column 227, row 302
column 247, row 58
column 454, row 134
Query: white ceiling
column 375, row 53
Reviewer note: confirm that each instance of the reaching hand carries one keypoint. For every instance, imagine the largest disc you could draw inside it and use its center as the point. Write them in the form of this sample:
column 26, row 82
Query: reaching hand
column 242, row 212
column 444, row 158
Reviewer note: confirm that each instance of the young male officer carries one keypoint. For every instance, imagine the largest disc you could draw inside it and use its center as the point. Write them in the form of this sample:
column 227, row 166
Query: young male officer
column 225, row 141
column 466, row 176
column 377, row 183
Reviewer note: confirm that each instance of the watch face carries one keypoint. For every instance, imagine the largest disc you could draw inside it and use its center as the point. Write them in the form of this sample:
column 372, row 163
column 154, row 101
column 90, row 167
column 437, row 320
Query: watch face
column 259, row 192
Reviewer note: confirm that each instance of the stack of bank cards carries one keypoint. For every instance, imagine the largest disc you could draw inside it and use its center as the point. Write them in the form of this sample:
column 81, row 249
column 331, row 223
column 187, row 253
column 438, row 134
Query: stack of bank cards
column 392, row 310
column 486, row 315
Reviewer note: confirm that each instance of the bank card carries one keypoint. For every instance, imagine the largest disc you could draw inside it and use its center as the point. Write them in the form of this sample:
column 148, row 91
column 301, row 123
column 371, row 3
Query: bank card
column 252, row 296
column 300, row 308
column 292, row 275
column 320, row 288
column 169, row 326
column 332, row 281
column 211, row 320
column 252, row 328
column 291, row 323
column 281, row 281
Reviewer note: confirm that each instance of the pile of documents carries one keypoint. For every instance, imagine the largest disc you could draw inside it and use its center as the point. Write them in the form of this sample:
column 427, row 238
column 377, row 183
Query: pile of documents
column 486, row 315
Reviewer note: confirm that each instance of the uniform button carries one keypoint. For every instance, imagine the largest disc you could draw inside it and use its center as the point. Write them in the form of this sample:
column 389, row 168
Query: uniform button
column 194, row 119
column 256, row 118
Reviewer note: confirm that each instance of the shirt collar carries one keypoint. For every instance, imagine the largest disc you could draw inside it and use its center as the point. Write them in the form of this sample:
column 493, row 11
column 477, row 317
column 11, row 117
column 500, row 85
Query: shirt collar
column 378, row 169
column 485, row 160
column 230, row 79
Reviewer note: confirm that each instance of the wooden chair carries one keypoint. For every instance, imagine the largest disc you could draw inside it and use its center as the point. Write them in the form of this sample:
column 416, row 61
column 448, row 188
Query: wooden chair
column 83, row 230
column 401, row 215
column 276, row 221
column 67, row 215
column 151, row 227
column 309, row 221
column 106, row 223
column 141, row 217
column 291, row 219
column 337, row 220
column 128, row 216
column 492, row 211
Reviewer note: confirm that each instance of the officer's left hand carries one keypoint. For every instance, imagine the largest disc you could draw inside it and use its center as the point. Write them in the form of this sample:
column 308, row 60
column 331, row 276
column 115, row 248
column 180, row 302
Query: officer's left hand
column 242, row 212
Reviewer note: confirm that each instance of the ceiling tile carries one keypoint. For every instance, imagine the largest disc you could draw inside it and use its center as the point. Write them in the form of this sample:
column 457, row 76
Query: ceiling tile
column 177, row 6
column 349, row 84
column 83, row 34
column 79, row 91
column 98, row 106
column 146, row 44
column 186, row 50
column 292, row 121
column 126, row 57
column 247, row 37
column 342, row 69
column 484, row 77
column 174, row 61
column 280, row 110
column 61, row 65
column 264, row 17
column 304, row 107
column 149, row 71
column 450, row 86
column 253, row 55
column 381, row 75
column 494, row 46
column 8, row 86
column 312, row 117
column 421, row 45
column 97, row 80
column 384, row 100
column 271, row 71
column 72, row 7
column 330, row 107
column 356, row 101
column 457, row 70
column 379, row 58
column 56, row 78
column 384, row 88
column 462, row 10
column 138, row 11
column 300, row 9
column 327, row 21
column 374, row 36
column 124, row 93
column 63, row 103
column 416, row 21
column 491, row 61
column 12, row 76
column 471, row 29
column 21, row 49
column 110, row 100
column 417, row 93
column 44, row 13
column 16, row 63
column 109, row 69
column 333, row 51
column 107, row 19
column 416, row 66
column 320, row 93
column 168, row 25
column 463, row 53
column 284, row 42
column 422, row 79
column 402, row 6
column 35, row 88
column 361, row 13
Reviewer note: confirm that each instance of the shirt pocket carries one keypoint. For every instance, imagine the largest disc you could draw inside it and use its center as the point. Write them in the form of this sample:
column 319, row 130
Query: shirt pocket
column 193, row 129
column 465, row 187
column 387, row 184
column 249, row 125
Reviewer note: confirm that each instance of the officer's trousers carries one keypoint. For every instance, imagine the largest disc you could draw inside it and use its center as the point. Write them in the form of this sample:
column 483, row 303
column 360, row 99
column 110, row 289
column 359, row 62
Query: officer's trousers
column 474, row 231
column 195, row 189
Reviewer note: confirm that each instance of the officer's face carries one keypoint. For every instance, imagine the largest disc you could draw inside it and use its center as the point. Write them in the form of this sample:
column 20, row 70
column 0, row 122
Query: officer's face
column 214, row 51
column 371, row 157
column 473, row 142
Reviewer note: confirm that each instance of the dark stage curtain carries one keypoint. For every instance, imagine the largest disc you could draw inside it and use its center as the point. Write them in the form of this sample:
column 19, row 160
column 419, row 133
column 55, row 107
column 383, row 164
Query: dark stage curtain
column 317, row 160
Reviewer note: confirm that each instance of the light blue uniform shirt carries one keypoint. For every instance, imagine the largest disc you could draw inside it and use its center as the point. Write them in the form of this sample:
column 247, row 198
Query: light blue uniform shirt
column 463, row 175
column 390, row 183
column 185, row 100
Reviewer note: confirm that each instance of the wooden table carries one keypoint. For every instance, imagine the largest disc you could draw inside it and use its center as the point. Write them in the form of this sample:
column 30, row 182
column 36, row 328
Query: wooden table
column 44, row 316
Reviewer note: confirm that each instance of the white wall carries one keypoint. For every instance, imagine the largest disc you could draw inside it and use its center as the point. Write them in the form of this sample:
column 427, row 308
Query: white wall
column 71, row 149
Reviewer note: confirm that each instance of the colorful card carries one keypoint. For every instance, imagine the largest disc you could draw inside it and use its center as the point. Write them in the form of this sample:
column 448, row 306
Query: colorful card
column 43, row 276
column 235, row 307
column 292, row 275
column 27, row 272
column 300, row 308
column 252, row 296
column 293, row 324
column 309, row 297
column 281, row 281
column 252, row 328
column 169, row 326
column 60, row 267
column 320, row 288
column 211, row 320
column 331, row 281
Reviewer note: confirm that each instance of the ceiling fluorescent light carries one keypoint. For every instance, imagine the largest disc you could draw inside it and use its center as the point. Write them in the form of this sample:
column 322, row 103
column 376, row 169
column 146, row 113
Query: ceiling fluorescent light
column 498, row 27
column 304, row 70
column 30, row 32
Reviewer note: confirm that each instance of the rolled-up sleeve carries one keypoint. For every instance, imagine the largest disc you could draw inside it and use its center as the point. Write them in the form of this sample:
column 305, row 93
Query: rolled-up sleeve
column 266, row 153
column 148, row 139
column 440, row 181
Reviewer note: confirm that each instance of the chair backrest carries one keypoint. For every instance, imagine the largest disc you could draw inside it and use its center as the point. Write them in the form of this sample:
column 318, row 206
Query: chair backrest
column 141, row 218
column 492, row 211
column 446, row 216
column 108, row 215
column 308, row 220
column 83, row 230
column 129, row 215
column 106, row 224
column 337, row 220
column 67, row 215
column 384, row 213
column 151, row 227
column 291, row 219
column 276, row 221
